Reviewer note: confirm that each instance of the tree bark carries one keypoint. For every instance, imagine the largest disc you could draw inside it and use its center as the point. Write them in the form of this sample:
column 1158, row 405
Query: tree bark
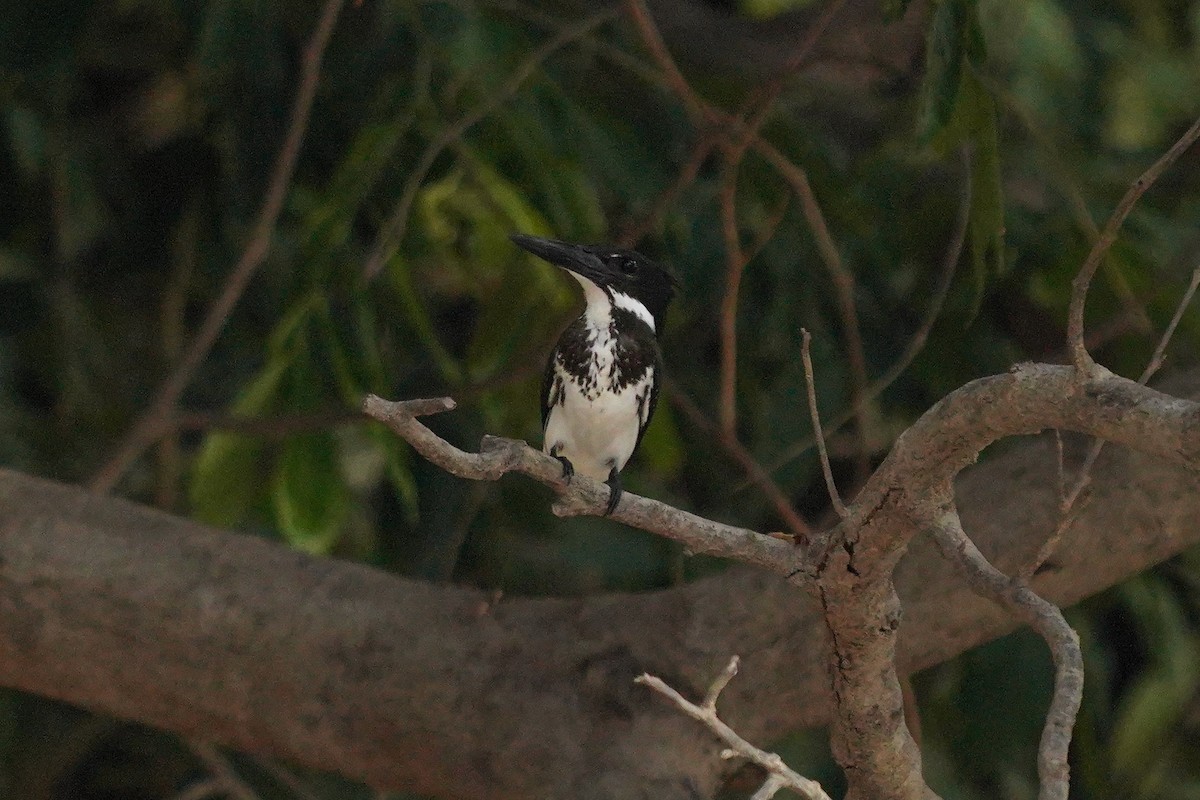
column 131, row 612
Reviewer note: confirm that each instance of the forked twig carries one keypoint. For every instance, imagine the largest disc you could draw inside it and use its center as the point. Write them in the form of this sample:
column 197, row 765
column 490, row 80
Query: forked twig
column 1080, row 357
column 1068, row 510
column 779, row 774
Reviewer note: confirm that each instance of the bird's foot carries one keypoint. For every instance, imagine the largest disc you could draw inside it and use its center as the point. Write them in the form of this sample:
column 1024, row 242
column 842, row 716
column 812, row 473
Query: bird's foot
column 567, row 467
column 615, row 491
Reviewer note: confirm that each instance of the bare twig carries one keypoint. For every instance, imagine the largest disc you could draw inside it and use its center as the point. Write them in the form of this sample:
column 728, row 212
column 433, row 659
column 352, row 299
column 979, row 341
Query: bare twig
column 754, row 471
column 1068, row 512
column 1156, row 360
column 391, row 233
column 1133, row 311
column 769, row 93
column 705, row 144
column 581, row 495
column 223, row 771
column 1083, row 362
column 1048, row 621
column 156, row 420
column 780, row 775
column 843, row 280
column 834, row 497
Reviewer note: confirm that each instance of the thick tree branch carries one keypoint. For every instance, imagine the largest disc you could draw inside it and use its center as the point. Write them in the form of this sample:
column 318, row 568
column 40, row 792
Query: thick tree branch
column 440, row 690
column 852, row 566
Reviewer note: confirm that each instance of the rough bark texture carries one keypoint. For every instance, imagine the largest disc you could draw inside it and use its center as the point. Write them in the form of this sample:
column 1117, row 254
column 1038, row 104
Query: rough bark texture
column 129, row 611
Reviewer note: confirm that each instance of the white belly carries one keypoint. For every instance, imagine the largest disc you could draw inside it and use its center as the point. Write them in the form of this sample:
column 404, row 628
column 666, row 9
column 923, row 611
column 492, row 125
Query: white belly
column 598, row 435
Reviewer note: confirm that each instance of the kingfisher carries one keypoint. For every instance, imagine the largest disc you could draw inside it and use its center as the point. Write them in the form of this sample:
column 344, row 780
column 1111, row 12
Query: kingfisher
column 601, row 381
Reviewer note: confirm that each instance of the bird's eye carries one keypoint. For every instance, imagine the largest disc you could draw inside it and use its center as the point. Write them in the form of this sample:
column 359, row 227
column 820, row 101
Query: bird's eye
column 628, row 266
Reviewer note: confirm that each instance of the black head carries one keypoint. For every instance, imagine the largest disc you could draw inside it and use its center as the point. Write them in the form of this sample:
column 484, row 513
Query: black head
column 625, row 271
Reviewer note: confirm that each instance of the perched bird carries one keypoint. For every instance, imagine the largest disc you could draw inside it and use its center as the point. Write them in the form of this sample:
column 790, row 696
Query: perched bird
column 601, row 382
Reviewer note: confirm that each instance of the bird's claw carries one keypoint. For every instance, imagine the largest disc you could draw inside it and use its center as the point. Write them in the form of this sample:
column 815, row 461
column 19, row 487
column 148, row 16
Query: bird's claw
column 614, row 493
column 568, row 469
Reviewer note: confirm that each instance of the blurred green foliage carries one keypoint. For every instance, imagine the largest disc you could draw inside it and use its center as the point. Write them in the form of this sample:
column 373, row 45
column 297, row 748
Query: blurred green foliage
column 135, row 142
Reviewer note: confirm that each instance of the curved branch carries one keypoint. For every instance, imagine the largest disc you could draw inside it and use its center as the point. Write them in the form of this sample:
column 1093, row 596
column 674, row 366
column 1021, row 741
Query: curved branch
column 1045, row 618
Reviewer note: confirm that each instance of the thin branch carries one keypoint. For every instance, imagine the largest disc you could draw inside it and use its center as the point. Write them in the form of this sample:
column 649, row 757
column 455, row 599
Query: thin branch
column 720, row 682
column 843, row 280
column 1079, row 287
column 155, row 421
column 392, row 232
column 769, row 94
column 1068, row 512
column 754, row 471
column 919, row 339
column 644, row 22
column 1133, row 311
column 780, row 775
column 735, row 267
column 1156, row 360
column 705, row 144
column 634, row 232
column 1048, row 621
column 834, row 497
column 581, row 495
column 843, row 285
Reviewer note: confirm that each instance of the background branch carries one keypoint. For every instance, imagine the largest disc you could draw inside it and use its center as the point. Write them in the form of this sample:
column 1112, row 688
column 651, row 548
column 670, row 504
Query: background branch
column 156, row 420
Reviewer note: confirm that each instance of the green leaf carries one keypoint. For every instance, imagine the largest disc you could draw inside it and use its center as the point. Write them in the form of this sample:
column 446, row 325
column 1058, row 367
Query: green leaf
column 973, row 123
column 398, row 466
column 1151, row 710
column 27, row 141
column 944, row 57
column 225, row 482
column 309, row 494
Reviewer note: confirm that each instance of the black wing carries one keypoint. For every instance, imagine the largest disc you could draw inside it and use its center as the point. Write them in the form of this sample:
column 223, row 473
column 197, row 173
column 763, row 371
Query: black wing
column 551, row 389
column 650, row 402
